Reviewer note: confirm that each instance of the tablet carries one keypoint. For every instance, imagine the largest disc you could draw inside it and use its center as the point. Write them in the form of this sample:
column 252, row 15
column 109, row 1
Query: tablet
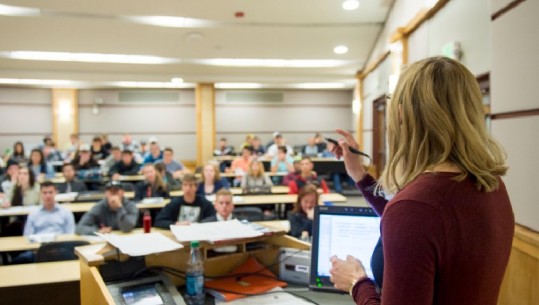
column 341, row 231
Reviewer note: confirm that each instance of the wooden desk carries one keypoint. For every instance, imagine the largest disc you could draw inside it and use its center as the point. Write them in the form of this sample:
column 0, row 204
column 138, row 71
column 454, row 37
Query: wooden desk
column 39, row 273
column 21, row 243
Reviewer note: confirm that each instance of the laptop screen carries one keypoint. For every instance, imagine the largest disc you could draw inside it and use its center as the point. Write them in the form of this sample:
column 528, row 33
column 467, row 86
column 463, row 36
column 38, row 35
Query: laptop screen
column 341, row 231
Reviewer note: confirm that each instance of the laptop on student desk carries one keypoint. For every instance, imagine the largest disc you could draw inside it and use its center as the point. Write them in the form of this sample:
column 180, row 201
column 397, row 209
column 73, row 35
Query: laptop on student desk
column 257, row 190
column 341, row 231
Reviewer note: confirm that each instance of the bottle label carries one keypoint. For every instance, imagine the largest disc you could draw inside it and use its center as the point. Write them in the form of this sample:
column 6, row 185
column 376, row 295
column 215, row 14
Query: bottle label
column 194, row 284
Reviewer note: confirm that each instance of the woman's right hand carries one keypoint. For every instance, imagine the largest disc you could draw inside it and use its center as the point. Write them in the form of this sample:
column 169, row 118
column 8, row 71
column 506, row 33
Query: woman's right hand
column 352, row 162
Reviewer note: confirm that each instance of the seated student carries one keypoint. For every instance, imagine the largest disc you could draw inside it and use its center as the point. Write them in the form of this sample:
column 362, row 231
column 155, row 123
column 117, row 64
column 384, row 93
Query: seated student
column 177, row 169
column 114, row 157
column 281, row 163
column 24, row 192
column 307, row 176
column 50, row 218
column 211, row 181
column 129, row 144
column 114, row 212
column 248, row 141
column 155, row 154
column 223, row 149
column 152, row 186
column 71, row 184
column 255, row 176
column 171, row 183
column 258, row 148
column 126, row 167
column 224, row 207
column 16, row 154
column 273, row 150
column 51, row 154
column 292, row 175
column 83, row 159
column 39, row 165
column 9, row 178
column 240, row 165
column 311, row 149
column 99, row 152
column 106, row 143
column 301, row 218
column 186, row 209
column 320, row 142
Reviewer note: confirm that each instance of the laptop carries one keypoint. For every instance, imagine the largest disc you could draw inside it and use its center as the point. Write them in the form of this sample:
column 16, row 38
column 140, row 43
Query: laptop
column 257, row 190
column 341, row 231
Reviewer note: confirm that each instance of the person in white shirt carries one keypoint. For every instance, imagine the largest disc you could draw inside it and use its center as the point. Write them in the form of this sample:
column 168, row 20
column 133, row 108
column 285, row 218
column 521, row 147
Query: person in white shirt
column 279, row 141
column 49, row 218
column 224, row 207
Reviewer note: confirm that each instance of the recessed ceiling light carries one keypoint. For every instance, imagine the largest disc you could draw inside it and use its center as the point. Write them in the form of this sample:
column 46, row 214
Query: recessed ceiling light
column 340, row 49
column 8, row 10
column 89, row 57
column 350, row 5
column 171, row 21
column 176, row 80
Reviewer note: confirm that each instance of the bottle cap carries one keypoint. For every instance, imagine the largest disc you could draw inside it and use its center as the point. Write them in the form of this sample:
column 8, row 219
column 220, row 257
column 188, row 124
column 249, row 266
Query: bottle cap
column 195, row 244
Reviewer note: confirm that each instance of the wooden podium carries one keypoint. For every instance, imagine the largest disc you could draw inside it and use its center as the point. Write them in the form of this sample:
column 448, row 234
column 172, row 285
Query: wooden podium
column 264, row 248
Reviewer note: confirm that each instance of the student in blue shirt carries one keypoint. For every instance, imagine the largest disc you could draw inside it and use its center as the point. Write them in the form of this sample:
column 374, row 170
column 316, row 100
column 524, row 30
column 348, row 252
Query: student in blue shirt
column 49, row 218
column 155, row 154
column 175, row 168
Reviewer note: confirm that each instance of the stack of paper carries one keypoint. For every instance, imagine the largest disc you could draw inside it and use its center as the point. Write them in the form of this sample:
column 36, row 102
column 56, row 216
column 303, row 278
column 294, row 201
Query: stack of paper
column 214, row 231
column 141, row 244
column 65, row 197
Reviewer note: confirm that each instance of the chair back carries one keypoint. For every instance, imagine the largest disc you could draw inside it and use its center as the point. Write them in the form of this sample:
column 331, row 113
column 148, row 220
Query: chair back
column 249, row 213
column 58, row 251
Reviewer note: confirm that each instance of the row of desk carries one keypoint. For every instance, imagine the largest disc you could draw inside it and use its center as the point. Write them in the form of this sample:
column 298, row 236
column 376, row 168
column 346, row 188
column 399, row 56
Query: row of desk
column 280, row 199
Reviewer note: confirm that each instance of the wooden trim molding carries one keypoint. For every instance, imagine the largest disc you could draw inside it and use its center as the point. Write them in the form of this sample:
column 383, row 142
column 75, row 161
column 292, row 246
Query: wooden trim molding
column 506, row 9
column 373, row 65
column 515, row 114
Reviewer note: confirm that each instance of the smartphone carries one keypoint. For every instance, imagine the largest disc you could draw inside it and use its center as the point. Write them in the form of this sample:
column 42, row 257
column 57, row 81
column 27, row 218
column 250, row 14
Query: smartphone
column 350, row 148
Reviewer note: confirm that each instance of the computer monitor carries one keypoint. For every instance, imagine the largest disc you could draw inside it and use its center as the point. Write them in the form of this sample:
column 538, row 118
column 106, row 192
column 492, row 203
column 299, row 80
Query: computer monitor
column 341, row 231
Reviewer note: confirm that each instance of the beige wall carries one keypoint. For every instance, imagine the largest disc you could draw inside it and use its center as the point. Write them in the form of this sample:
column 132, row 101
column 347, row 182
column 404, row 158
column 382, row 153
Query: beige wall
column 514, row 88
column 25, row 115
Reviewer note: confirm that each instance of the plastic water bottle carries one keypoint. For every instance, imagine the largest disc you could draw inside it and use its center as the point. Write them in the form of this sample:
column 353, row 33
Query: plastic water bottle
column 194, row 277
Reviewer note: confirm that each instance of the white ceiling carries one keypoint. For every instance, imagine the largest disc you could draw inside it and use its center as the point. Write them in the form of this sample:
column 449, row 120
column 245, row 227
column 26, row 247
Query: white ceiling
column 270, row 29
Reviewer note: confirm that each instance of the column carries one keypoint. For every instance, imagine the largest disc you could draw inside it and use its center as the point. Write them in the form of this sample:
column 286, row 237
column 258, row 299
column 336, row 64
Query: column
column 205, row 110
column 65, row 115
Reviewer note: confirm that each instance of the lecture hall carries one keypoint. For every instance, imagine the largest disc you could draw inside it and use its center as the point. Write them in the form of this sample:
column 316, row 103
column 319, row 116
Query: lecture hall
column 298, row 152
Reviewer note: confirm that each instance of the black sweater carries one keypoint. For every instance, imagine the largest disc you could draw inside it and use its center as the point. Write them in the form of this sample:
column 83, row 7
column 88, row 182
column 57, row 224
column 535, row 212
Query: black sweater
column 179, row 210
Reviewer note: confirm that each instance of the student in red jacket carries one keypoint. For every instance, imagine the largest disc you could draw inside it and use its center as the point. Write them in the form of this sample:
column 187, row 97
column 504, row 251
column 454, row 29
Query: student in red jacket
column 306, row 176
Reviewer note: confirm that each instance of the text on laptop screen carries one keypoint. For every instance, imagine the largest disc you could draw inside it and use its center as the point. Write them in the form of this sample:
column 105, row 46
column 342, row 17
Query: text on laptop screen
column 343, row 235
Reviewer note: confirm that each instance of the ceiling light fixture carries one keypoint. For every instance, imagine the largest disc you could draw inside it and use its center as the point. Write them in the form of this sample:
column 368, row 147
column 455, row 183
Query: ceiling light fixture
column 176, row 80
column 238, row 85
column 340, row 49
column 90, row 57
column 350, row 5
column 131, row 84
column 171, row 21
column 273, row 63
column 8, row 10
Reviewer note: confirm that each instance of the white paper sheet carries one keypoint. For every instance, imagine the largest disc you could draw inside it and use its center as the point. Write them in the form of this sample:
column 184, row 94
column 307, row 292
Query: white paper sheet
column 281, row 298
column 66, row 197
column 141, row 244
column 213, row 231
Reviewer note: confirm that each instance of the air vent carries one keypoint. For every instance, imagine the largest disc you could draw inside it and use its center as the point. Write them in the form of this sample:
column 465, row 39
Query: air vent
column 149, row 96
column 254, row 97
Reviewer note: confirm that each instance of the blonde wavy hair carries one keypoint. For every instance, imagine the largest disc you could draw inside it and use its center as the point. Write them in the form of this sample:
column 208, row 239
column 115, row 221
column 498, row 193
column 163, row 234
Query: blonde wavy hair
column 436, row 116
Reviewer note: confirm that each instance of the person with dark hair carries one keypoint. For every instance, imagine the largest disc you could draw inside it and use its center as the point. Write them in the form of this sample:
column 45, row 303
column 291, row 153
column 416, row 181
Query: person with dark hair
column 106, row 143
column 98, row 150
column 301, row 218
column 9, row 178
column 114, row 212
column 171, row 183
column 38, row 164
column 447, row 231
column 186, row 209
column 273, row 150
column 258, row 148
column 49, row 218
column 114, row 157
column 211, row 180
column 152, row 186
column 17, row 154
column 177, row 169
column 281, row 163
column 25, row 192
column 83, row 159
column 71, row 184
column 126, row 167
column 306, row 176
column 223, row 149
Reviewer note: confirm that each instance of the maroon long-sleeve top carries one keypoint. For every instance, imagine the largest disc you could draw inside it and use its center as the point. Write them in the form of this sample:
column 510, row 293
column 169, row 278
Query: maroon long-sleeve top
column 445, row 243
